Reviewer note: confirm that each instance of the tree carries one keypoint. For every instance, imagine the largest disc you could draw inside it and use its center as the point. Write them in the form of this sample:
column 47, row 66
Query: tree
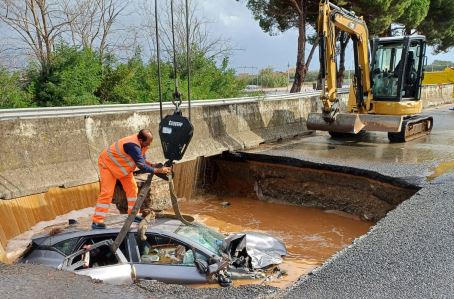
column 281, row 15
column 73, row 79
column 201, row 40
column 130, row 82
column 413, row 15
column 438, row 26
column 439, row 65
column 91, row 22
column 379, row 17
column 38, row 23
column 380, row 14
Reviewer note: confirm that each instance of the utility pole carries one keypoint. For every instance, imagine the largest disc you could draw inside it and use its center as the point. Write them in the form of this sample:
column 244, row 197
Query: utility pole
column 288, row 76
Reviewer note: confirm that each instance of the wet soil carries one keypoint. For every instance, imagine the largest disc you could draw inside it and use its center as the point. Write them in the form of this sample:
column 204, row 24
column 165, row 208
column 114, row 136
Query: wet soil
column 312, row 186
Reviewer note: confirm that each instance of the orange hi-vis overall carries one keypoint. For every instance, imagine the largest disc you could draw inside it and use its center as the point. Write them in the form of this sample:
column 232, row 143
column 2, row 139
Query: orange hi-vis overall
column 115, row 164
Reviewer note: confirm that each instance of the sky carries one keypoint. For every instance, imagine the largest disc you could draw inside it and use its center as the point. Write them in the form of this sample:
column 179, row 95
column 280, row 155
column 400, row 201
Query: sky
column 254, row 49
column 258, row 49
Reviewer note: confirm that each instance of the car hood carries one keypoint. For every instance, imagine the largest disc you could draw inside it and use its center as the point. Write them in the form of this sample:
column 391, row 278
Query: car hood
column 253, row 249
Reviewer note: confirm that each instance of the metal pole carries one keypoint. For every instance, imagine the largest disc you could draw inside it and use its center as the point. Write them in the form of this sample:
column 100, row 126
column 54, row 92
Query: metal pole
column 158, row 58
column 188, row 61
column 174, row 51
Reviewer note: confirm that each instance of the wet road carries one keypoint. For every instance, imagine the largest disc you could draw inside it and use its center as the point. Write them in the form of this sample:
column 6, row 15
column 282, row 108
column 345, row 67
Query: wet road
column 407, row 254
column 430, row 156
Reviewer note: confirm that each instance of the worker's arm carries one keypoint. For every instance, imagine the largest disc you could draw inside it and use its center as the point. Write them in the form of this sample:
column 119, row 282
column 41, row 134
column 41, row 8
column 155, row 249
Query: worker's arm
column 151, row 163
column 134, row 151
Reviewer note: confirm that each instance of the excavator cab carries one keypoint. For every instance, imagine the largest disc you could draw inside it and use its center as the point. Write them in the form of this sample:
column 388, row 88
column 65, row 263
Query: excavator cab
column 397, row 68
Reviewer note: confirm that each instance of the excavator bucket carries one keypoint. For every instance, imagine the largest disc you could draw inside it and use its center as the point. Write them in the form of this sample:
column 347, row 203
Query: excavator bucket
column 381, row 123
column 343, row 123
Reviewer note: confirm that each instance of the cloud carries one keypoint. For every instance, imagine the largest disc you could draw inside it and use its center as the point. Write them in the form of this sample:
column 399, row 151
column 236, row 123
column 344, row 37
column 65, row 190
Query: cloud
column 229, row 20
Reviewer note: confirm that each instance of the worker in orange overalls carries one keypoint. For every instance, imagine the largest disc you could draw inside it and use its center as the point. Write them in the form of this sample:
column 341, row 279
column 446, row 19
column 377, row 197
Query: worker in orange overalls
column 118, row 162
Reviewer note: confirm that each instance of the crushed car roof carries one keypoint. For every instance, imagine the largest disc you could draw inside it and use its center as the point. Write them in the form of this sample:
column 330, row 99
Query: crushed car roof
column 114, row 224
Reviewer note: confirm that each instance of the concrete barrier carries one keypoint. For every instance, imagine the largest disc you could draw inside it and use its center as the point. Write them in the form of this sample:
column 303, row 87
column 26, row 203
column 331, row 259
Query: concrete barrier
column 437, row 94
column 43, row 153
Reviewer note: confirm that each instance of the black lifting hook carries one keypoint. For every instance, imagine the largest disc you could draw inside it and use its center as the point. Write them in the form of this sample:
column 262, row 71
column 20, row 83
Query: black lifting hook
column 176, row 100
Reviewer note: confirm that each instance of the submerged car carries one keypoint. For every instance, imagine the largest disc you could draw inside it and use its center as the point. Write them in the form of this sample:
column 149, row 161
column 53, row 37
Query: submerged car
column 172, row 252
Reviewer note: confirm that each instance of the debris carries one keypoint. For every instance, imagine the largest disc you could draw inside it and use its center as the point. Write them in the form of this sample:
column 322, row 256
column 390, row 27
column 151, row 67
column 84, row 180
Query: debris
column 225, row 204
column 148, row 217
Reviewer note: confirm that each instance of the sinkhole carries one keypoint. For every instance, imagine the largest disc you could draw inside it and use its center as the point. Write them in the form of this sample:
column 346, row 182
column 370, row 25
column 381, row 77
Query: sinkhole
column 317, row 210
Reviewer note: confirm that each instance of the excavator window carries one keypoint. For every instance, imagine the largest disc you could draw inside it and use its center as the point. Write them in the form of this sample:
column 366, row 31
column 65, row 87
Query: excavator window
column 389, row 69
column 387, row 62
column 411, row 79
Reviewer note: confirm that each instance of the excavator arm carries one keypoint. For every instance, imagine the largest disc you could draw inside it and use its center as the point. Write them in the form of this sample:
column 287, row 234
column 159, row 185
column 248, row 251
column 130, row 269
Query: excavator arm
column 331, row 17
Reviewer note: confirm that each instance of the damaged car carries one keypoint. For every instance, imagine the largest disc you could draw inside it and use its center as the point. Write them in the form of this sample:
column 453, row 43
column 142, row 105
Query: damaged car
column 172, row 252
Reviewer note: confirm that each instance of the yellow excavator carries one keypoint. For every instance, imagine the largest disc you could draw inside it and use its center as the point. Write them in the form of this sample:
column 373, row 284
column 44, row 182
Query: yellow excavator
column 385, row 92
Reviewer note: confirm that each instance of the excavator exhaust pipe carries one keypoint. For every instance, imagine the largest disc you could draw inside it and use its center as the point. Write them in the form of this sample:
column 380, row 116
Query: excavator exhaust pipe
column 343, row 123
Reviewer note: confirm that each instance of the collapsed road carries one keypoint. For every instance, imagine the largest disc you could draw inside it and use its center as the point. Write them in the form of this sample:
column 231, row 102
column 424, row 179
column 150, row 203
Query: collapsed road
column 408, row 253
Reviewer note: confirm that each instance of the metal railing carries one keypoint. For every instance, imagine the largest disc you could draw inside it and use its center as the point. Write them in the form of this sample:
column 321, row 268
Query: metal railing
column 23, row 113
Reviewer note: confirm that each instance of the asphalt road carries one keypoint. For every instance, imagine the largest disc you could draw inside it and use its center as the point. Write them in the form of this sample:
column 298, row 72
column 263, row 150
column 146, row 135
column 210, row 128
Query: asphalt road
column 410, row 252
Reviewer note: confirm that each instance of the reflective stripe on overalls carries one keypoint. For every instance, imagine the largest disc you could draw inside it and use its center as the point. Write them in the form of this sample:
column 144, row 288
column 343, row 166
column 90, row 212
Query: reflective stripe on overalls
column 115, row 164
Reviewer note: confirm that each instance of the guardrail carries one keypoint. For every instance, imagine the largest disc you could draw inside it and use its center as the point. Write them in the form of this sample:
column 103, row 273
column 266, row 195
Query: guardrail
column 23, row 113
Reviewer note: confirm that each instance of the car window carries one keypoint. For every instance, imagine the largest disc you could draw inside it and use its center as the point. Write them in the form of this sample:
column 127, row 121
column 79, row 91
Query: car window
column 97, row 257
column 206, row 237
column 93, row 240
column 67, row 246
column 159, row 249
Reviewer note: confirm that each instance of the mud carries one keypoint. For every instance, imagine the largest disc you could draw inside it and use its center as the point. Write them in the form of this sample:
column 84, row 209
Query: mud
column 355, row 194
column 311, row 235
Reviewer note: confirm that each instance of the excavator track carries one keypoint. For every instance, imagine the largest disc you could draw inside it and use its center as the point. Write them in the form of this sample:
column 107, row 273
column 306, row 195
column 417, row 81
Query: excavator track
column 413, row 127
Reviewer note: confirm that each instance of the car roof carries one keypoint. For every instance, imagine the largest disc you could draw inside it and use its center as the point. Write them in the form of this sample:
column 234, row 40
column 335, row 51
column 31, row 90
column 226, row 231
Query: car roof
column 165, row 225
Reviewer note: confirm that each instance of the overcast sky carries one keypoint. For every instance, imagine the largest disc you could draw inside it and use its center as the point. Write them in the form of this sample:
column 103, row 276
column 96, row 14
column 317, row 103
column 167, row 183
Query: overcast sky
column 255, row 49
column 233, row 20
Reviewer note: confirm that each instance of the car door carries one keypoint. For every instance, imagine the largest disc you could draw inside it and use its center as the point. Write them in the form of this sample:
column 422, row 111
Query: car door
column 168, row 260
column 99, row 262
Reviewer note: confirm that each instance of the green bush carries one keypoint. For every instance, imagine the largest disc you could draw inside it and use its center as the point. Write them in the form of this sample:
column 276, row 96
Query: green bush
column 81, row 77
column 12, row 95
column 74, row 76
column 270, row 79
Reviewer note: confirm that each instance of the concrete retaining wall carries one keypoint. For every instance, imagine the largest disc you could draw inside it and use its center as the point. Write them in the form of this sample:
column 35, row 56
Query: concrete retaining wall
column 42, row 153
column 437, row 94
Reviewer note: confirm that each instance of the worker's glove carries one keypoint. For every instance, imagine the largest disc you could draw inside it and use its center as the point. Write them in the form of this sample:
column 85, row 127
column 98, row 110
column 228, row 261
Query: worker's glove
column 160, row 174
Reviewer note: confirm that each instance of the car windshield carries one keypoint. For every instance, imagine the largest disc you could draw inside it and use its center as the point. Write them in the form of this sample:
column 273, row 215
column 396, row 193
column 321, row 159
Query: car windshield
column 206, row 237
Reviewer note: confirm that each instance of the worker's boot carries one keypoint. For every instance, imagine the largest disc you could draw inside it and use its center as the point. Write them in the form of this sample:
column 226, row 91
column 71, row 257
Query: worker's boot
column 98, row 225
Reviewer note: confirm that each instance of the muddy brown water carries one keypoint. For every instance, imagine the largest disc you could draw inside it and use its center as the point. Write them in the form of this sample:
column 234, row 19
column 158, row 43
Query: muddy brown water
column 311, row 235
